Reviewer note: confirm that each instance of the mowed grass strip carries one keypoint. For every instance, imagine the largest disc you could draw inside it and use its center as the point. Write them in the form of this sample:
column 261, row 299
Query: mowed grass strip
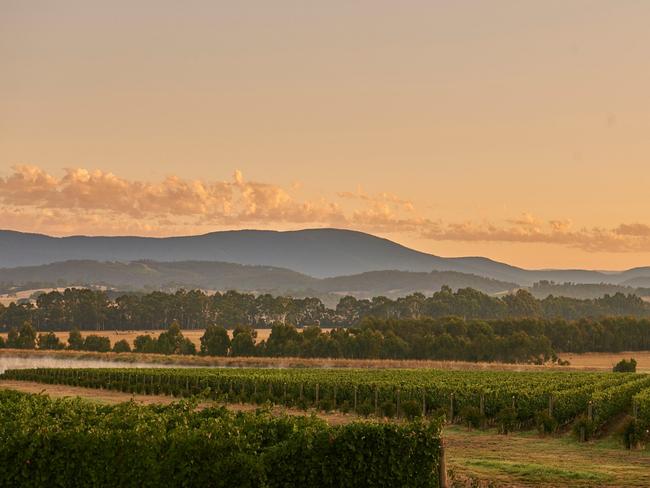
column 536, row 473
column 525, row 459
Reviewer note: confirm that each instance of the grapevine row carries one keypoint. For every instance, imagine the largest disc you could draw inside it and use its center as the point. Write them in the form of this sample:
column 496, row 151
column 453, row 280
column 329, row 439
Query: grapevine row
column 73, row 442
column 412, row 392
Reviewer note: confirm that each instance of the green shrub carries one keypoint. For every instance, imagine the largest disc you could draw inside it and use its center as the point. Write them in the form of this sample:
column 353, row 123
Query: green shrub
column 344, row 406
column 471, row 416
column 302, row 404
column 583, row 424
column 507, row 419
column 23, row 338
column 75, row 340
column 97, row 343
column 326, row 404
column 122, row 346
column 49, row 341
column 439, row 413
column 388, row 409
column 259, row 398
column 411, row 409
column 546, row 424
column 365, row 409
column 625, row 366
column 632, row 433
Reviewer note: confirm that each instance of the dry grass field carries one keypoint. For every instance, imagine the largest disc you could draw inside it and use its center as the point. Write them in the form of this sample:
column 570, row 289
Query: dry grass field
column 7, row 298
column 585, row 362
column 130, row 335
column 605, row 360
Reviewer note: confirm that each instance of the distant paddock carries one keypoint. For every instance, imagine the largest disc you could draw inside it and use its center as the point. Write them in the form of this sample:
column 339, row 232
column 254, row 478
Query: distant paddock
column 579, row 362
column 117, row 335
column 590, row 360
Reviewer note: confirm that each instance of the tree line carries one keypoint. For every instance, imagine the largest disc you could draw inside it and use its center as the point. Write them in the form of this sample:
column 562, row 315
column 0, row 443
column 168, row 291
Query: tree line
column 88, row 309
column 450, row 338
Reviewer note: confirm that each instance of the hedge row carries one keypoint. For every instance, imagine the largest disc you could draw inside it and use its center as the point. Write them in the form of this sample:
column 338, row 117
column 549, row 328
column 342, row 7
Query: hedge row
column 612, row 401
column 74, row 443
column 642, row 409
column 571, row 403
column 565, row 395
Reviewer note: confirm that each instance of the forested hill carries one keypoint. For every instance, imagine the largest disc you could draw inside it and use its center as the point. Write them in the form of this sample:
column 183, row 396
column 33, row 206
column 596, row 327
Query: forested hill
column 319, row 253
column 150, row 275
column 543, row 289
column 92, row 309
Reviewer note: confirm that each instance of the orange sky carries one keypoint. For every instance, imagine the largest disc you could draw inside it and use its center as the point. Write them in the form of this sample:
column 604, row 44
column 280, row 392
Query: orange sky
column 514, row 130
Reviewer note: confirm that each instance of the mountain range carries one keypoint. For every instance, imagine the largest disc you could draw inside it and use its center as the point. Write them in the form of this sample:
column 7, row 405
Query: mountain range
column 210, row 275
column 327, row 260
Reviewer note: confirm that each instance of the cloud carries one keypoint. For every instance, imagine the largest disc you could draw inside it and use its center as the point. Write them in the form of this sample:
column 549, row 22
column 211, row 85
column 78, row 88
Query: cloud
column 635, row 230
column 527, row 229
column 382, row 199
column 97, row 202
column 237, row 200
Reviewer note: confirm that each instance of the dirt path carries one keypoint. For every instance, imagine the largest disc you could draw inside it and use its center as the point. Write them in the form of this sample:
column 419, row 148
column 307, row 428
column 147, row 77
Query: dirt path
column 517, row 460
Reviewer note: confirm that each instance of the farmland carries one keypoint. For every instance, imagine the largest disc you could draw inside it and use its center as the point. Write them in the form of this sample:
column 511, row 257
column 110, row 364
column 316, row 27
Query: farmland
column 518, row 397
column 193, row 335
column 177, row 445
column 70, row 358
column 522, row 458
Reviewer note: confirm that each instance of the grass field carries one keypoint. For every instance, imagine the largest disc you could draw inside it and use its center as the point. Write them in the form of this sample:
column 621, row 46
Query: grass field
column 130, row 335
column 474, row 458
column 295, row 362
column 526, row 459
column 582, row 362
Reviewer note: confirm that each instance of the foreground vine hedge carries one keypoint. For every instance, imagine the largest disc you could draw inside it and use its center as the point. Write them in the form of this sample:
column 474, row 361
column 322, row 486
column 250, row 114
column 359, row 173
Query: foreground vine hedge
column 642, row 409
column 75, row 443
column 564, row 395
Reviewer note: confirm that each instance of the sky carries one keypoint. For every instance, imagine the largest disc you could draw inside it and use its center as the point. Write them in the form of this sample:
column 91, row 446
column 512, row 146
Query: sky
column 517, row 130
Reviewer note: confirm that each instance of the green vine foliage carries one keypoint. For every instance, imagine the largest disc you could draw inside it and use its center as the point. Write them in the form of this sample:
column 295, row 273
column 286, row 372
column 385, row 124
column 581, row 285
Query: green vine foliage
column 75, row 443
column 642, row 403
column 367, row 392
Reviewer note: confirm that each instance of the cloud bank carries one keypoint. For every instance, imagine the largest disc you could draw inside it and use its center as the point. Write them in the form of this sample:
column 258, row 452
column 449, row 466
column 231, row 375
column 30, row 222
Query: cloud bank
column 97, row 202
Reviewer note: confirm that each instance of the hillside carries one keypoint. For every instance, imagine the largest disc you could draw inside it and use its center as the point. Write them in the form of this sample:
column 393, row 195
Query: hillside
column 585, row 291
column 320, row 253
column 224, row 276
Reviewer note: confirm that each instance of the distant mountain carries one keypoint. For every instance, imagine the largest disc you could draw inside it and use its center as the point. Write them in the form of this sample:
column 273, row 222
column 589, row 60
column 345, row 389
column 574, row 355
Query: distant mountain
column 150, row 274
column 400, row 283
column 227, row 276
column 319, row 253
column 640, row 281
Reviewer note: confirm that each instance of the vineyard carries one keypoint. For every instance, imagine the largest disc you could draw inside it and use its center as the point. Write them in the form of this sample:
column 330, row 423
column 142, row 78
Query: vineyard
column 72, row 442
column 641, row 405
column 522, row 397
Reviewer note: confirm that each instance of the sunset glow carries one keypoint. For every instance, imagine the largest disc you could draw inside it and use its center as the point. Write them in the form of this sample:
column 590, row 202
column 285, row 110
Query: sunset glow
column 512, row 130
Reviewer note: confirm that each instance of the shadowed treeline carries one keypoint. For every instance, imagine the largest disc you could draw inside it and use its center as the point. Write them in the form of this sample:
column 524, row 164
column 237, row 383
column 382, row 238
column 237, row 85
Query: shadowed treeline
column 87, row 309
